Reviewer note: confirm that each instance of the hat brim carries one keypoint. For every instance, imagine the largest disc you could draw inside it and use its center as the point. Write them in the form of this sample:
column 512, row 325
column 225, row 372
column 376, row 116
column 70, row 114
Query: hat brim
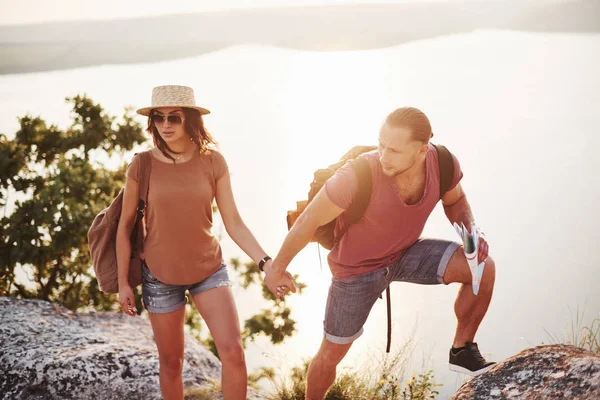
column 146, row 110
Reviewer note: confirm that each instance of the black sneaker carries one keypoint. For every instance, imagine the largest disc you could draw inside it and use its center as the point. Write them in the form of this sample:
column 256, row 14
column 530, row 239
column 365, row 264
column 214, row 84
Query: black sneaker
column 469, row 360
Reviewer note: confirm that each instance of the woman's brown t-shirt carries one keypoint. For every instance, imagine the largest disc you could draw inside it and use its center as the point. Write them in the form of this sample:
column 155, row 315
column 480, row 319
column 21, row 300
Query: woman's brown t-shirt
column 179, row 247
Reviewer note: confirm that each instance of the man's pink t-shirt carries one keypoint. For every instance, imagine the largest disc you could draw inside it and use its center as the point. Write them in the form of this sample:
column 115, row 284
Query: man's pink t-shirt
column 388, row 225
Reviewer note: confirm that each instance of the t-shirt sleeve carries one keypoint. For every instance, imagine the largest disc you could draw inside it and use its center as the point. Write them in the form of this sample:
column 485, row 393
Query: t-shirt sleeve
column 342, row 186
column 458, row 174
column 133, row 169
column 219, row 164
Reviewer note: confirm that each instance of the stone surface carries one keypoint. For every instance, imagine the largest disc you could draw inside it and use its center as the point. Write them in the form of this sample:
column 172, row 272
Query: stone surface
column 543, row 372
column 49, row 352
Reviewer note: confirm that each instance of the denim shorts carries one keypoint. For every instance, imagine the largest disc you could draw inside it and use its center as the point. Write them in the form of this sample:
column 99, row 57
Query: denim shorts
column 162, row 298
column 350, row 299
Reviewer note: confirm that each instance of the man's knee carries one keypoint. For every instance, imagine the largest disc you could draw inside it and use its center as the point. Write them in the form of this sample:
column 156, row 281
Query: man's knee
column 489, row 272
column 331, row 354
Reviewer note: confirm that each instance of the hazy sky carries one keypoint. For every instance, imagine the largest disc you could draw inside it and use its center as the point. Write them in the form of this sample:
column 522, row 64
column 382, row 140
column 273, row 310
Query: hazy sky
column 32, row 11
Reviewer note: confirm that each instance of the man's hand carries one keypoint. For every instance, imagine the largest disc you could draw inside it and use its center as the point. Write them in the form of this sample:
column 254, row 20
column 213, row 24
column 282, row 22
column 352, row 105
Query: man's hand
column 482, row 249
column 278, row 280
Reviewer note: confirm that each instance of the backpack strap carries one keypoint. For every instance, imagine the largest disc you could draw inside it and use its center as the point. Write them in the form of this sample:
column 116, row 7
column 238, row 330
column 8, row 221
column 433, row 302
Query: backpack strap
column 446, row 166
column 389, row 319
column 361, row 199
column 146, row 167
column 137, row 233
column 359, row 204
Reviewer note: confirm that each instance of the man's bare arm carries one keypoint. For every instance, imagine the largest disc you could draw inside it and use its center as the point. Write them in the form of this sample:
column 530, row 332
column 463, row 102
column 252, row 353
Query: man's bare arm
column 319, row 212
column 457, row 208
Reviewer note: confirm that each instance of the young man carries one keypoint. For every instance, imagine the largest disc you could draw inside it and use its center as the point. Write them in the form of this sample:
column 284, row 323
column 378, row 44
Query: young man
column 384, row 246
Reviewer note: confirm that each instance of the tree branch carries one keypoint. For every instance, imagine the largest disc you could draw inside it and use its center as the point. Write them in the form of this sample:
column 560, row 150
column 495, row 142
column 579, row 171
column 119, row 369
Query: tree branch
column 68, row 290
column 22, row 291
column 51, row 281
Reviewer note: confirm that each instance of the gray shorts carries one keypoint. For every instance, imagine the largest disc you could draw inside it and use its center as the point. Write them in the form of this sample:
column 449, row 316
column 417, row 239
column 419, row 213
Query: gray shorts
column 350, row 299
column 162, row 298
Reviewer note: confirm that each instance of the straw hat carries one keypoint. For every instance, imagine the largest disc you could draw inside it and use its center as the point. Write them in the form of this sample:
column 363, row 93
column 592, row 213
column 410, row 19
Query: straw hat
column 172, row 96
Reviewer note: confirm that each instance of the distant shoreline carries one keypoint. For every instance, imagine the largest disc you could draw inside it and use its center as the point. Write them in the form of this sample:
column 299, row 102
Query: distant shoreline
column 74, row 44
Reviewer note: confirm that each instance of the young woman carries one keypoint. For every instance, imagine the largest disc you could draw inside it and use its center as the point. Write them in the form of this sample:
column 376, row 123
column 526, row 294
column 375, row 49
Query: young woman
column 180, row 253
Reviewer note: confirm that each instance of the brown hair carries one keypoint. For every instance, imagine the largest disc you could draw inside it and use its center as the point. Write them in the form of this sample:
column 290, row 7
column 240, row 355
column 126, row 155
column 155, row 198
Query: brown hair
column 194, row 127
column 413, row 119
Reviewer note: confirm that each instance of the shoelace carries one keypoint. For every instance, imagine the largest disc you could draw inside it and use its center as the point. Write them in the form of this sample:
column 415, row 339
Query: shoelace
column 474, row 350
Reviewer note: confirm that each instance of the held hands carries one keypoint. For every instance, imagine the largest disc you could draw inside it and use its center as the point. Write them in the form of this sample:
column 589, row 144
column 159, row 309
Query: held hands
column 126, row 300
column 277, row 280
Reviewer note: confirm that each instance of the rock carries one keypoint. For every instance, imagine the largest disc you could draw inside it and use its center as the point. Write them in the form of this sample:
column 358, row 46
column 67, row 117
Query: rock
column 543, row 372
column 49, row 352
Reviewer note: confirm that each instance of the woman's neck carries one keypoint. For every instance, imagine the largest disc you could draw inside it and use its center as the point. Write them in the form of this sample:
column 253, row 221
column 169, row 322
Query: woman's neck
column 183, row 146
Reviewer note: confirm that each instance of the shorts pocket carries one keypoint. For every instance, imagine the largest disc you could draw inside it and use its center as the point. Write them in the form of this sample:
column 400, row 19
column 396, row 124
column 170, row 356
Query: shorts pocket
column 147, row 275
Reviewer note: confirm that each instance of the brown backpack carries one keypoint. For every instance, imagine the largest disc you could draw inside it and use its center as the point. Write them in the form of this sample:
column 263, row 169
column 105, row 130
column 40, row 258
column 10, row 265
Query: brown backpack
column 102, row 235
column 324, row 234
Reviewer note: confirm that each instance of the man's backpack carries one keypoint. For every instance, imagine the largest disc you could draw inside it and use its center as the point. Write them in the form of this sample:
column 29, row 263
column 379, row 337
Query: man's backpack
column 325, row 233
column 102, row 235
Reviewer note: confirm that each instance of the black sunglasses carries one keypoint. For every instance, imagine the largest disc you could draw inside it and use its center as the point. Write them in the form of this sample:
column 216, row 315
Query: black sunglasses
column 173, row 119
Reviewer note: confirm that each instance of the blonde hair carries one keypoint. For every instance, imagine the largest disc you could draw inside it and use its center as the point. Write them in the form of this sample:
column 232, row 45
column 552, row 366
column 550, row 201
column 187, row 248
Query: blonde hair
column 413, row 119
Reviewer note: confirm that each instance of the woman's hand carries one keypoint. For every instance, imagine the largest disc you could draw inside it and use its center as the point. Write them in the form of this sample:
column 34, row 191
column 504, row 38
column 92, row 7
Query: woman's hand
column 278, row 281
column 126, row 300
